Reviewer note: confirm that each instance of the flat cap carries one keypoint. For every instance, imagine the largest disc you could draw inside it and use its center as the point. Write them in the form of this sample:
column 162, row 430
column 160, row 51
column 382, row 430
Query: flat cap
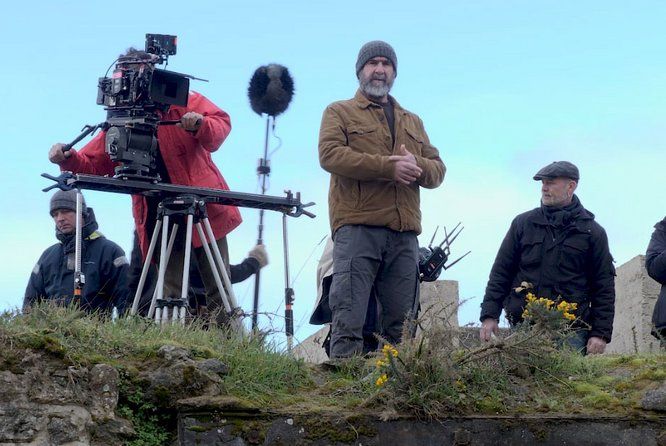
column 557, row 169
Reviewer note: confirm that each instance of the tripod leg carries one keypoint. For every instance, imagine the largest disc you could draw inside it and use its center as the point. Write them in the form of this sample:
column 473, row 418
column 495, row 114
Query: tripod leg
column 165, row 315
column 186, row 263
column 288, row 291
column 164, row 261
column 146, row 267
column 236, row 323
column 180, row 312
column 220, row 262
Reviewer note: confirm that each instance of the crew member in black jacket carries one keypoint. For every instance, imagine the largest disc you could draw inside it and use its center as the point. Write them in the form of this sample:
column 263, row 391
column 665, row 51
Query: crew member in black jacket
column 655, row 262
column 563, row 252
column 103, row 263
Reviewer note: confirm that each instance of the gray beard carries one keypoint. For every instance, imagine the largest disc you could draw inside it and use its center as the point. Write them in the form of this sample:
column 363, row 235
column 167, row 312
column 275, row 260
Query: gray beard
column 373, row 91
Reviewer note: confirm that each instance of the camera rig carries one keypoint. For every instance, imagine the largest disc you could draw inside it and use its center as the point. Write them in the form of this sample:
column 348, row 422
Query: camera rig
column 135, row 97
column 290, row 205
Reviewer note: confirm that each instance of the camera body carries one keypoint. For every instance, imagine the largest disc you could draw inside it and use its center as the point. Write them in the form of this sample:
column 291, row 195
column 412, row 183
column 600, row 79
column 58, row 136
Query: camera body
column 135, row 97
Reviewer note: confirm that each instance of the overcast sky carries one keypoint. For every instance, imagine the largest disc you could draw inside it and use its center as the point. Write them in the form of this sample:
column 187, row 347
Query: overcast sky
column 503, row 88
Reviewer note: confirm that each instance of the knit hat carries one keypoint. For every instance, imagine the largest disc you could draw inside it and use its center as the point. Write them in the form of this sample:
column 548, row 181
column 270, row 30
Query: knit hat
column 376, row 48
column 66, row 199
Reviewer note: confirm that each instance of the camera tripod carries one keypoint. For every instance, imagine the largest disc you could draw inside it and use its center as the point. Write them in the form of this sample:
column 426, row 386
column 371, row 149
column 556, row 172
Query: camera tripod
column 179, row 197
column 174, row 309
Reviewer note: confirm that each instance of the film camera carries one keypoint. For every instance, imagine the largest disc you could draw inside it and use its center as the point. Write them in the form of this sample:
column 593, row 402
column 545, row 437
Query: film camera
column 135, row 96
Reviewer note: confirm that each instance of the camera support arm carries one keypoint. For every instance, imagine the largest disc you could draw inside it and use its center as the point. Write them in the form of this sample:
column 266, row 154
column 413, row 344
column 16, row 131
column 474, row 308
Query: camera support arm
column 289, row 205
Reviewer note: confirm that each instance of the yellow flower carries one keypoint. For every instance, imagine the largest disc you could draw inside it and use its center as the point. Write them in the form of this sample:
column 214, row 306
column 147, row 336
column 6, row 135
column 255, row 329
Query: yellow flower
column 381, row 380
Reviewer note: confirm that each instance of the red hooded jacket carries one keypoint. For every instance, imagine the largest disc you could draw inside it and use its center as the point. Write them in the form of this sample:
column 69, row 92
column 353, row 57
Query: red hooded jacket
column 187, row 157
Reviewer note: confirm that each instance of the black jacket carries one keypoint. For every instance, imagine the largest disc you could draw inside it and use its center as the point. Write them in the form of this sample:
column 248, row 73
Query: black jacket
column 570, row 259
column 103, row 264
column 655, row 262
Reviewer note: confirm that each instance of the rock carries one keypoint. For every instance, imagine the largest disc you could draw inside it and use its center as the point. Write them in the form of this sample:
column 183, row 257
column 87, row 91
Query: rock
column 19, row 424
column 103, row 387
column 110, row 431
column 655, row 399
column 213, row 366
column 12, row 388
column 173, row 353
column 63, row 430
column 182, row 379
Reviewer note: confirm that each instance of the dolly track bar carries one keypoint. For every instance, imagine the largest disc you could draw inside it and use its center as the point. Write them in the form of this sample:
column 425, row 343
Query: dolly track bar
column 290, row 205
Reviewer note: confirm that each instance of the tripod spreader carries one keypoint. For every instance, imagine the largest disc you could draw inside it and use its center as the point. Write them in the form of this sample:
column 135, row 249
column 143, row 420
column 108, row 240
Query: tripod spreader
column 289, row 205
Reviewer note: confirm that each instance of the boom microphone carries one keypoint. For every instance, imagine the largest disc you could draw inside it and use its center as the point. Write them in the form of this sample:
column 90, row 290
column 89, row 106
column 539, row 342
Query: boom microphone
column 271, row 89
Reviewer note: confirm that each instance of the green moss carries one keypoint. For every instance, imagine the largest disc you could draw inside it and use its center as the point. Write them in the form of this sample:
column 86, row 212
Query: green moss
column 344, row 431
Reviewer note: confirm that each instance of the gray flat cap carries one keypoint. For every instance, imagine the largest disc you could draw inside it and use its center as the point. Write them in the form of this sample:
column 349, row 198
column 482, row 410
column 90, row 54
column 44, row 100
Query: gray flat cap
column 557, row 169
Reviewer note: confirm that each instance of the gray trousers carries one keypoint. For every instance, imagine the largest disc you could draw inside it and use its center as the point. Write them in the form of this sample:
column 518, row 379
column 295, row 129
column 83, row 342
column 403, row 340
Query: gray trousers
column 364, row 256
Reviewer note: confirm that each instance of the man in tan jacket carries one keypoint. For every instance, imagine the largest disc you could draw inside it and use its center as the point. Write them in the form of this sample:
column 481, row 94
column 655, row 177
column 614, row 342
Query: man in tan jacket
column 379, row 156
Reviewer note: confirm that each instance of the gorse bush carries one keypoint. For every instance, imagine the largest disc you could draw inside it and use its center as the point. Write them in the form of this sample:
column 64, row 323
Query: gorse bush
column 434, row 376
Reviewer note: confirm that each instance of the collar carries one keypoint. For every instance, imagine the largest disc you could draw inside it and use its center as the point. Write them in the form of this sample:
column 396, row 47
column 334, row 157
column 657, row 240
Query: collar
column 364, row 102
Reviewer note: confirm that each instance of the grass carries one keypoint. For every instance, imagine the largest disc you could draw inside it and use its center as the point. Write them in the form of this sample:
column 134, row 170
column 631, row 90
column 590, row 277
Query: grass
column 428, row 377
column 257, row 371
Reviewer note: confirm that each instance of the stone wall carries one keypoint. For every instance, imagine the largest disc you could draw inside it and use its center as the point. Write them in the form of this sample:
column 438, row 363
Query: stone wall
column 44, row 402
column 636, row 294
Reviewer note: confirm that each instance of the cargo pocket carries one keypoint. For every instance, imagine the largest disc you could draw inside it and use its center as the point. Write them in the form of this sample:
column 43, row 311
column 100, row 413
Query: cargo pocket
column 340, row 294
column 531, row 251
column 574, row 254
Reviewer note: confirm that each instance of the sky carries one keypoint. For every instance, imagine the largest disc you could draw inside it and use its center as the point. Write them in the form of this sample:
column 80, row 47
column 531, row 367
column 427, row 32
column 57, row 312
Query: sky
column 503, row 88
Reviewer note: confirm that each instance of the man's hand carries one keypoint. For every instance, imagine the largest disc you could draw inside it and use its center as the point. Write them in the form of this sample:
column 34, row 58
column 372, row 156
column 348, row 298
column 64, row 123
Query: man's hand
column 259, row 254
column 191, row 121
column 56, row 155
column 596, row 345
column 489, row 327
column 406, row 170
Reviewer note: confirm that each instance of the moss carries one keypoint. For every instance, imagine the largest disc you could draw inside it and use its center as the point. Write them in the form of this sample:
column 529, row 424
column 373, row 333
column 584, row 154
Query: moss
column 489, row 405
column 190, row 376
column 653, row 374
column 45, row 342
column 198, row 428
column 162, row 396
column 252, row 431
column 341, row 430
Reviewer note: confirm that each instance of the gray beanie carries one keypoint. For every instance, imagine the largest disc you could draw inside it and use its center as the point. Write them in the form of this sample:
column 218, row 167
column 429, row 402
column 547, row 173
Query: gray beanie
column 66, row 199
column 376, row 48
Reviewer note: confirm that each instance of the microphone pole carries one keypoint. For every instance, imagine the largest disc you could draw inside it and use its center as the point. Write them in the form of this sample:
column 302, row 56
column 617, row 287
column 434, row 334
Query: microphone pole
column 263, row 170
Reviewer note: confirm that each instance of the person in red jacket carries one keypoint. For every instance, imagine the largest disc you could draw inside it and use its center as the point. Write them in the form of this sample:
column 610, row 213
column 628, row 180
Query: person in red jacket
column 183, row 157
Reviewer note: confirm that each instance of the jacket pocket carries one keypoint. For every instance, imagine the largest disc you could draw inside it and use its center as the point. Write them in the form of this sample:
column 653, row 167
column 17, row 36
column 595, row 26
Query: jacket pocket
column 363, row 138
column 414, row 141
column 531, row 251
column 340, row 297
column 573, row 254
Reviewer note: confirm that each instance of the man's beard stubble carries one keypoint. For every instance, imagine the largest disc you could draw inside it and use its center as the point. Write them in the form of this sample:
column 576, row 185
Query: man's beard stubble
column 375, row 91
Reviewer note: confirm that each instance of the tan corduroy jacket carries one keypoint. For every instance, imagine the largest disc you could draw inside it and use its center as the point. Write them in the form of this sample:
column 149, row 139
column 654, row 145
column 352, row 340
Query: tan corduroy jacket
column 355, row 145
